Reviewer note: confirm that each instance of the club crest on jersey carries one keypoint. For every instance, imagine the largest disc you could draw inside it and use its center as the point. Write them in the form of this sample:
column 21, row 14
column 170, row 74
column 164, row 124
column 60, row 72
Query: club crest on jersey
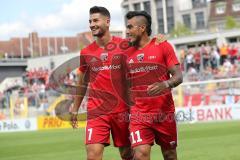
column 104, row 57
column 140, row 57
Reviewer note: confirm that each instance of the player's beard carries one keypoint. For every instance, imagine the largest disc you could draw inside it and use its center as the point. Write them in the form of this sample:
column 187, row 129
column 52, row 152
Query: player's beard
column 136, row 42
column 100, row 33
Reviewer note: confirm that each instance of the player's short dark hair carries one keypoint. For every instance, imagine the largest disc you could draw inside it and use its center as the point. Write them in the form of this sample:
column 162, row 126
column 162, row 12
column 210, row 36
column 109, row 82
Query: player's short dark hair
column 102, row 10
column 148, row 18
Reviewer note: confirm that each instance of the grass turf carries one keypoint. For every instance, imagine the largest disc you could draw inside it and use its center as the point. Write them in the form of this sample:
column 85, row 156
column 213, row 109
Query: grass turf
column 206, row 141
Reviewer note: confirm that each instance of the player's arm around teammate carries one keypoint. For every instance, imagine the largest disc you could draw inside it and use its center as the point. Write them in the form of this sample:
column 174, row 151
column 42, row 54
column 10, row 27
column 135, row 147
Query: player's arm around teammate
column 144, row 133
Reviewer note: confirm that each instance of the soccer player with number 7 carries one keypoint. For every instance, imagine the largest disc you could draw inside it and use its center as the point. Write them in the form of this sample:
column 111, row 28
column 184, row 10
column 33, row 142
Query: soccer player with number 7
column 102, row 71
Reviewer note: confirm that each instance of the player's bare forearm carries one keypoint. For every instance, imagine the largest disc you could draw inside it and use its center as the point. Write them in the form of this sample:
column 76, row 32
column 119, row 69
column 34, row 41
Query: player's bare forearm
column 80, row 92
column 174, row 81
column 78, row 98
column 76, row 103
column 177, row 77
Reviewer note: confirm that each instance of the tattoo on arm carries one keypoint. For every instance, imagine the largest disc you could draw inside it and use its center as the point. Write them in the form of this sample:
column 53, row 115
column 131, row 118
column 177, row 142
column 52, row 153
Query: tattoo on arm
column 176, row 74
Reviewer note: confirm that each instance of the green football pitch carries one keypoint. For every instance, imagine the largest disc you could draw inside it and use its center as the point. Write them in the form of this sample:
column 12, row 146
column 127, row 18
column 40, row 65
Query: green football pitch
column 206, row 141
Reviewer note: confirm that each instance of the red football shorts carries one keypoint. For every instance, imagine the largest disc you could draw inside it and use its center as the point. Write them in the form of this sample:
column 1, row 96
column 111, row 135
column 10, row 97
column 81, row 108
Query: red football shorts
column 144, row 130
column 98, row 130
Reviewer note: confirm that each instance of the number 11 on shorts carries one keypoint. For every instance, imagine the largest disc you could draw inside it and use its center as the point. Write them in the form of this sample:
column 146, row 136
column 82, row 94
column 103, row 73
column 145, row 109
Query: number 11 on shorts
column 90, row 134
column 137, row 133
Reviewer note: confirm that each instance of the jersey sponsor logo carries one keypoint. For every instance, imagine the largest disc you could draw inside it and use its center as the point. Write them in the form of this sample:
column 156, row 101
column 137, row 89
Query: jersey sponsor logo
column 152, row 57
column 140, row 57
column 102, row 68
column 144, row 69
column 104, row 57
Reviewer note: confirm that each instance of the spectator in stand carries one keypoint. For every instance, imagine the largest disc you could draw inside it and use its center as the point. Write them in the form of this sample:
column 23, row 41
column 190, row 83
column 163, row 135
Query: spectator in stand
column 227, row 66
column 223, row 53
column 197, row 59
column 182, row 58
column 18, row 107
column 189, row 59
column 233, row 52
column 214, row 58
column 35, row 87
column 44, row 104
column 206, row 55
column 42, row 92
column 182, row 55
column 192, row 74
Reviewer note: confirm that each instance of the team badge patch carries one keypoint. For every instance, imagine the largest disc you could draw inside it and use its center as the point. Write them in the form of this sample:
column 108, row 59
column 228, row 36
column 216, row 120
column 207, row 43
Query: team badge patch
column 140, row 57
column 104, row 57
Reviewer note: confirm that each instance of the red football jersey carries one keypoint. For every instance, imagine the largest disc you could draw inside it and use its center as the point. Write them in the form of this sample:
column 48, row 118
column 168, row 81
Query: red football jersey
column 145, row 67
column 106, row 84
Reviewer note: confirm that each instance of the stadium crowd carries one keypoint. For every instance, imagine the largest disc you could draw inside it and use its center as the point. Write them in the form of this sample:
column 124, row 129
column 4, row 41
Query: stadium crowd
column 210, row 62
